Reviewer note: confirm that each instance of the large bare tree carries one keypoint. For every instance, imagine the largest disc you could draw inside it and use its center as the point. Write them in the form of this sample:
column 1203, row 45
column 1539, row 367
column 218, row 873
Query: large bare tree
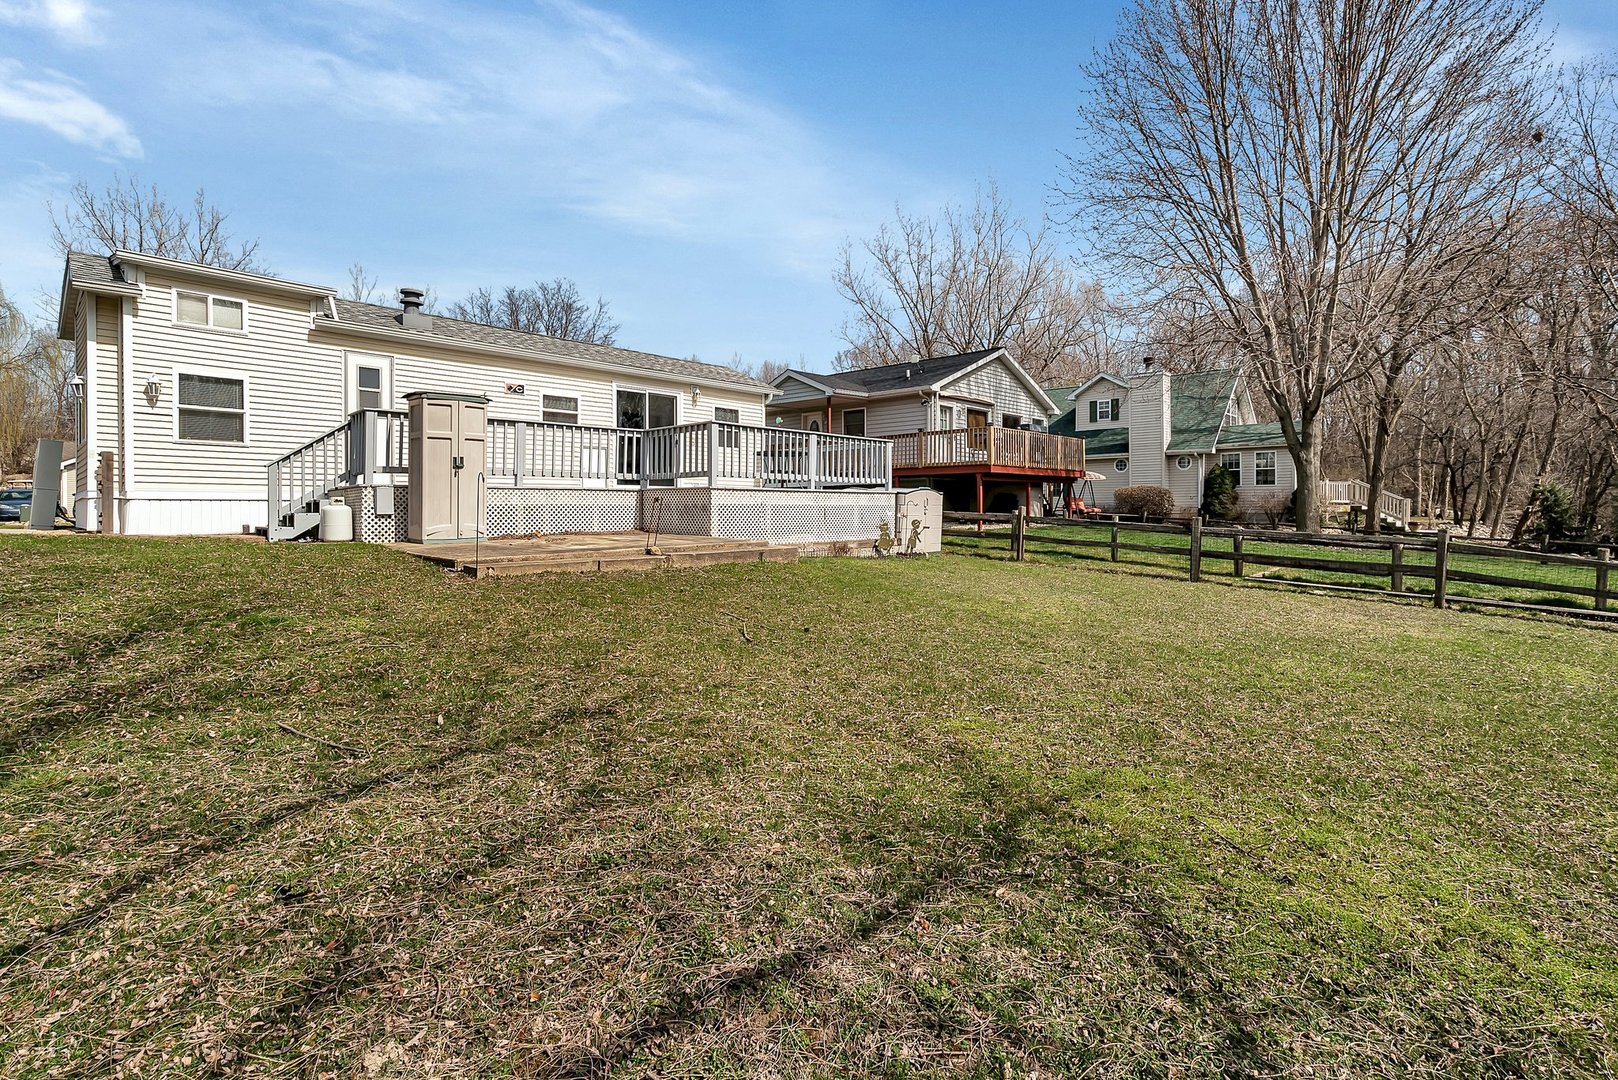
column 125, row 215
column 555, row 308
column 970, row 279
column 1294, row 168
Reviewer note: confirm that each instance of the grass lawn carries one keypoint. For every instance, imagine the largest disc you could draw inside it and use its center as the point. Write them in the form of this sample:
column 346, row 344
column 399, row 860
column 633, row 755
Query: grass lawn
column 945, row 817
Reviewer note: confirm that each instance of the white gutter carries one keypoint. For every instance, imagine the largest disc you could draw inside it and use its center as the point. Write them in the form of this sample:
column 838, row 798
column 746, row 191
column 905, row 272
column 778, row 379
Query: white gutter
column 418, row 339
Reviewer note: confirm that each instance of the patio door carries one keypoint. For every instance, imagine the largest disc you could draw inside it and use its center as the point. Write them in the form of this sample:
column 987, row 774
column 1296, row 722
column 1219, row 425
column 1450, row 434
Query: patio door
column 640, row 411
column 977, row 429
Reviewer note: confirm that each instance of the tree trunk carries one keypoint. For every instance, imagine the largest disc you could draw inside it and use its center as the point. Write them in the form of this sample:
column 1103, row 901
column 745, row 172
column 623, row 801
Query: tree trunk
column 1306, row 460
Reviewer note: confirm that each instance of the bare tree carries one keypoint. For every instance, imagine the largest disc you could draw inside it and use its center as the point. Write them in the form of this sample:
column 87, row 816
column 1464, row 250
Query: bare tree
column 971, row 279
column 129, row 217
column 361, row 286
column 554, row 308
column 34, row 403
column 1277, row 163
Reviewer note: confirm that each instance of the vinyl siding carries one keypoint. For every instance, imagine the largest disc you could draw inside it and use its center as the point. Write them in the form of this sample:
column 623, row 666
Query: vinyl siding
column 995, row 382
column 895, row 416
column 1147, row 416
column 795, row 389
column 296, row 386
column 1104, row 391
column 108, row 358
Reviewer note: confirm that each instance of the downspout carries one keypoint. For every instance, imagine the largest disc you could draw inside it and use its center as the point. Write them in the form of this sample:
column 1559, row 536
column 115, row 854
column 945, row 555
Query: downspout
column 126, row 393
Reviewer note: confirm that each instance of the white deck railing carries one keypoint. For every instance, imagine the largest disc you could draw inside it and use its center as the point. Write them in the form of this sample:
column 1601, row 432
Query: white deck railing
column 1357, row 493
column 373, row 447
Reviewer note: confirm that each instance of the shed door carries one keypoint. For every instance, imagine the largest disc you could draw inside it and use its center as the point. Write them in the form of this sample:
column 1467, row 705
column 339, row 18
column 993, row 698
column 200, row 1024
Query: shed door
column 438, row 445
column 473, row 424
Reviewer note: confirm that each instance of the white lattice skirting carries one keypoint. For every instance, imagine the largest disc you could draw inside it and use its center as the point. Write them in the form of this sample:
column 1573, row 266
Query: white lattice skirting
column 775, row 516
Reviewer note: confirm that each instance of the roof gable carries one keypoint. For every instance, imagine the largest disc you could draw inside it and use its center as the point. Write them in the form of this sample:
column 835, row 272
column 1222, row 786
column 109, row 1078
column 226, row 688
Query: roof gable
column 990, row 356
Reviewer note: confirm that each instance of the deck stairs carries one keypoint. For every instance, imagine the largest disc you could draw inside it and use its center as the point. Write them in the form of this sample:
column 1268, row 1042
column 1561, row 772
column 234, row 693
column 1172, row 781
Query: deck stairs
column 587, row 552
column 1356, row 495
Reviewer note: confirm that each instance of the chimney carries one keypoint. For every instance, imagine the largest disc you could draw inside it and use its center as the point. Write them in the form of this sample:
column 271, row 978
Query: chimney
column 413, row 319
column 1148, row 362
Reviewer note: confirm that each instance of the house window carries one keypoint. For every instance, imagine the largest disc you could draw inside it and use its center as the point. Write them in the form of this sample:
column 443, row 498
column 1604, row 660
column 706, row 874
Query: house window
column 210, row 408
column 200, row 309
column 1010, row 420
column 1264, row 468
column 728, row 437
column 559, row 410
column 1232, row 463
column 946, row 418
column 1121, row 465
column 1183, row 462
column 854, row 422
column 1106, row 409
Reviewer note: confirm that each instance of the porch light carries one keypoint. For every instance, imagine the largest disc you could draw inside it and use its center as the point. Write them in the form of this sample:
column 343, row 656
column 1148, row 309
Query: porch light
column 696, row 394
column 75, row 389
column 153, row 391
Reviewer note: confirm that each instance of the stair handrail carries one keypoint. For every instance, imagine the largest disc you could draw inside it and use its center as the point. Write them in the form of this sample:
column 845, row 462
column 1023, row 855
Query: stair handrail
column 292, row 479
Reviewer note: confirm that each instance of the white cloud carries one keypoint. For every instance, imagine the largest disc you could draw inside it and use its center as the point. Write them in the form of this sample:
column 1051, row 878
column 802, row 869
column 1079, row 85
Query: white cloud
column 74, row 21
column 563, row 103
column 53, row 101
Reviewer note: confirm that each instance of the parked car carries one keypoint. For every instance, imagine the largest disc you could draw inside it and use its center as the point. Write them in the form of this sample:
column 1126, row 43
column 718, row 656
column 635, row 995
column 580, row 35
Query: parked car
column 14, row 503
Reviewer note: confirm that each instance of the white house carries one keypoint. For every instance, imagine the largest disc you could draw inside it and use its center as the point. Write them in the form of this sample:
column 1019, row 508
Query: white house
column 1169, row 430
column 197, row 379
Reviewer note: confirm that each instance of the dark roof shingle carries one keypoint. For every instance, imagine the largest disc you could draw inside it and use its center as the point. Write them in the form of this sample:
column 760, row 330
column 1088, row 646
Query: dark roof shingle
column 911, row 373
column 377, row 317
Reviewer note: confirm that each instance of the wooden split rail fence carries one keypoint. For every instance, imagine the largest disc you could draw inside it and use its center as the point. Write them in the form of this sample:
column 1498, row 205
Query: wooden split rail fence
column 1443, row 560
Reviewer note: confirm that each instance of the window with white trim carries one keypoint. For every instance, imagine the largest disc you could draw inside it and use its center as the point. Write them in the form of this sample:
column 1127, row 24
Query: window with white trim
column 854, row 422
column 946, row 418
column 1121, row 465
column 1264, row 468
column 1183, row 462
column 1232, row 463
column 210, row 408
column 203, row 309
column 557, row 409
column 728, row 437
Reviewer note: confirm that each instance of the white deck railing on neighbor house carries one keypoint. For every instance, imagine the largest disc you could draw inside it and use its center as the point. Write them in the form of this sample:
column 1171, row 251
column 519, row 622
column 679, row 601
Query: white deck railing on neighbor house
column 1357, row 493
column 373, row 448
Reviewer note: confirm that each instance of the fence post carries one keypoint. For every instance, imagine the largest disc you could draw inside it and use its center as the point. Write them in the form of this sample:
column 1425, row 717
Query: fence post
column 1019, row 535
column 1441, row 569
column 1115, row 543
column 1396, row 551
column 1603, row 554
column 1236, row 553
column 1196, row 548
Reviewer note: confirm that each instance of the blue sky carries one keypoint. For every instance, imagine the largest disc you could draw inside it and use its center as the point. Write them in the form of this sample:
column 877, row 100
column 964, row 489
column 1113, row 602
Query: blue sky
column 697, row 164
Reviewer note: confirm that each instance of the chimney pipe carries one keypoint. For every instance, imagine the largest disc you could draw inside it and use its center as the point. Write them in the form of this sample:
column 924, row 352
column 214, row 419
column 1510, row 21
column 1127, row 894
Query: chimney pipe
column 412, row 318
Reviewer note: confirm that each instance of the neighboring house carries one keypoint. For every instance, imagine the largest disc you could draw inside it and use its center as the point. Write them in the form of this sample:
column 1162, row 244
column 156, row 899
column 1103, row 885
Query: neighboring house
column 198, row 379
column 971, row 425
column 1169, row 430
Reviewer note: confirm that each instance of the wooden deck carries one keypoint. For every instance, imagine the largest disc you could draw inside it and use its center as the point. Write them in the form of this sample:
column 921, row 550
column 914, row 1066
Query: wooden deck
column 585, row 552
column 1008, row 452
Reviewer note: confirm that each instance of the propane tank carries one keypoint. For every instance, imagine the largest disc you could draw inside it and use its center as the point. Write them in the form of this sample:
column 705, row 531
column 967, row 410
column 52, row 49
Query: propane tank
column 336, row 520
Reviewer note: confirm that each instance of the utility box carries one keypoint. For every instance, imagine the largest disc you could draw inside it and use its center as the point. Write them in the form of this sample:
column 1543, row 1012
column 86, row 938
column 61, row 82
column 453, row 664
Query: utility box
column 448, row 492
column 918, row 507
column 47, row 484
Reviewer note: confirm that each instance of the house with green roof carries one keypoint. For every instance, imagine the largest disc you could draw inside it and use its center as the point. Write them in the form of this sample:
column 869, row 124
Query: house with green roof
column 1169, row 429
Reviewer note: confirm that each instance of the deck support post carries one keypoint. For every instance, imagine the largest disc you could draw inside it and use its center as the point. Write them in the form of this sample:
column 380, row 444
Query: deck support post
column 1441, row 569
column 979, row 478
column 1236, row 553
column 1196, row 548
column 519, row 450
column 1396, row 553
column 1604, row 555
column 713, row 454
column 813, row 465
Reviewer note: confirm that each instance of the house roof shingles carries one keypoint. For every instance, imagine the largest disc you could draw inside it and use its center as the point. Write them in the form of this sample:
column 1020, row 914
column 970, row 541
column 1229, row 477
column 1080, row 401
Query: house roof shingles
column 83, row 268
column 1198, row 401
column 377, row 317
column 912, row 374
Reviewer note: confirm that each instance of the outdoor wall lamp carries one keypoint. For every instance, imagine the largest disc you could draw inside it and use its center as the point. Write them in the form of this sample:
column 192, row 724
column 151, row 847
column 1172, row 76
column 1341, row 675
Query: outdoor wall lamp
column 75, row 389
column 153, row 391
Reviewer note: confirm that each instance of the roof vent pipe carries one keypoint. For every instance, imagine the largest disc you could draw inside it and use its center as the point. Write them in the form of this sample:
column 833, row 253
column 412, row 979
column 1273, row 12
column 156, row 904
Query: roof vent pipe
column 412, row 318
